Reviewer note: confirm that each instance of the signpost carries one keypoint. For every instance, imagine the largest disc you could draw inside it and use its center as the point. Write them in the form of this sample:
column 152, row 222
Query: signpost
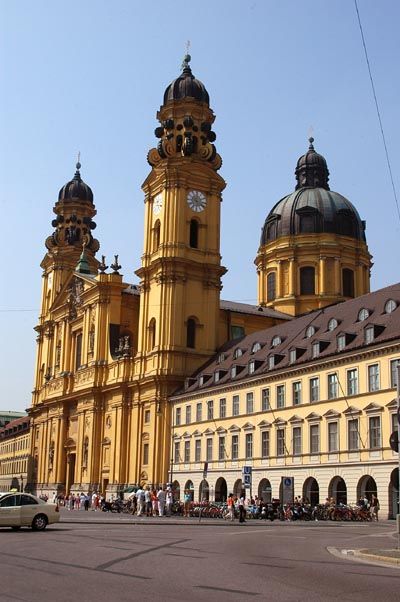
column 287, row 487
column 246, row 477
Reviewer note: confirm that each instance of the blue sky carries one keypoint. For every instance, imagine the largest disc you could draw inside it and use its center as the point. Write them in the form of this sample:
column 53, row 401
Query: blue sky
column 90, row 76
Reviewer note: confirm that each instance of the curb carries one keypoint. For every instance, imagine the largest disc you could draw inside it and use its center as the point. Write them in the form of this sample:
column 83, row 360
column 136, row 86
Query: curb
column 378, row 557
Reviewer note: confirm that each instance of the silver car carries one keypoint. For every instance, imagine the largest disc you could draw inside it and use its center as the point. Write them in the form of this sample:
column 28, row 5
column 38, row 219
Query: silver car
column 25, row 510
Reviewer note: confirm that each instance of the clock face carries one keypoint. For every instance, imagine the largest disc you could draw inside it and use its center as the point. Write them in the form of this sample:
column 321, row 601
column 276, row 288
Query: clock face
column 157, row 204
column 196, row 200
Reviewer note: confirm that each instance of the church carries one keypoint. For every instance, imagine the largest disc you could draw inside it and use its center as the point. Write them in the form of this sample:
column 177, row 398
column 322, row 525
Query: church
column 163, row 381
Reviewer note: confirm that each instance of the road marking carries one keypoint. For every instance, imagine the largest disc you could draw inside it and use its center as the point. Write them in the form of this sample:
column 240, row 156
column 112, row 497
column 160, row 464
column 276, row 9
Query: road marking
column 230, row 591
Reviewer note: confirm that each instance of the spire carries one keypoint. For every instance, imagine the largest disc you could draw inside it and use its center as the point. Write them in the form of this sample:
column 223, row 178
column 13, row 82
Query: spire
column 186, row 60
column 83, row 265
column 78, row 165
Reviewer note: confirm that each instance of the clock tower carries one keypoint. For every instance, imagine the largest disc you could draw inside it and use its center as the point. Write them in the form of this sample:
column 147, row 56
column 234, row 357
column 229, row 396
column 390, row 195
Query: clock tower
column 181, row 264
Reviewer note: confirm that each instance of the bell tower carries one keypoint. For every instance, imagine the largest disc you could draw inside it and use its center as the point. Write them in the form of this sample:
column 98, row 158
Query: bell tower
column 181, row 264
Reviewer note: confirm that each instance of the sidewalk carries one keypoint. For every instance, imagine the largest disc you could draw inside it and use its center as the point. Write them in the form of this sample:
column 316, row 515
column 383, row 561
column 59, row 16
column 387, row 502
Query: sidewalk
column 388, row 556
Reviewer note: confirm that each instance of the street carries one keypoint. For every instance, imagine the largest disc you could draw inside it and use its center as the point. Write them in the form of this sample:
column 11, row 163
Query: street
column 104, row 560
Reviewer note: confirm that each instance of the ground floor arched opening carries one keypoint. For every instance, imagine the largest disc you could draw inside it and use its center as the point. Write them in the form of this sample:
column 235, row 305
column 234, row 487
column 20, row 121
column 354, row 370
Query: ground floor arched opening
column 176, row 490
column 189, row 488
column 221, row 490
column 265, row 491
column 311, row 491
column 338, row 490
column 394, row 506
column 237, row 488
column 204, row 491
column 366, row 487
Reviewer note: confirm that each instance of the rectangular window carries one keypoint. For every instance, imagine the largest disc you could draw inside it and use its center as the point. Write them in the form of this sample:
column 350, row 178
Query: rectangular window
column 369, row 335
column 375, row 432
column 222, row 407
column 187, row 452
column 221, row 448
column 292, row 356
column 332, row 386
column 341, row 342
column 296, row 390
column 314, row 389
column 249, row 446
column 314, row 439
column 352, row 381
column 237, row 332
column 235, row 405
column 209, row 450
column 147, row 416
column 373, row 378
column 235, row 447
column 332, row 437
column 280, row 396
column 249, row 403
column 265, row 400
column 352, row 430
column 395, row 423
column 252, row 367
column 177, row 452
column 296, row 436
column 393, row 373
column 145, row 453
column 178, row 413
column 210, row 410
column 188, row 414
column 265, row 444
column 315, row 350
column 199, row 412
column 280, row 442
column 197, row 450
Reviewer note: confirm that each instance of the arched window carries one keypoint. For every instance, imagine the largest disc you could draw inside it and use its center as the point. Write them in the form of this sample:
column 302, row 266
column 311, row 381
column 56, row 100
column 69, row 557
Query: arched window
column 194, row 234
column 307, row 281
column 191, row 333
column 271, row 286
column 156, row 235
column 348, row 282
column 152, row 334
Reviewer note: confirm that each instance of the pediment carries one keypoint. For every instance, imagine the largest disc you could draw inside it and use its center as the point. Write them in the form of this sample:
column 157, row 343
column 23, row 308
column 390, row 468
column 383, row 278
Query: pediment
column 71, row 294
column 392, row 405
column 248, row 427
column 352, row 411
column 208, row 432
column 264, row 424
column 197, row 433
column 186, row 435
column 234, row 428
column 279, row 421
column 373, row 407
column 220, row 430
column 295, row 418
column 313, row 416
column 332, row 414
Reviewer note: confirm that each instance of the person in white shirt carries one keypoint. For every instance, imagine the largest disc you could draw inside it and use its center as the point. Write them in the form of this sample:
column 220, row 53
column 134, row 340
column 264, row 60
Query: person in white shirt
column 161, row 501
column 169, row 500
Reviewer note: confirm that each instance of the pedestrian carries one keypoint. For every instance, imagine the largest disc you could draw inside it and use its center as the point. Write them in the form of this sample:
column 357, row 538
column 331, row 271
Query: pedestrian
column 161, row 501
column 242, row 510
column 86, row 502
column 186, row 503
column 140, row 501
column 147, row 500
column 154, row 502
column 231, row 507
column 169, row 500
column 375, row 507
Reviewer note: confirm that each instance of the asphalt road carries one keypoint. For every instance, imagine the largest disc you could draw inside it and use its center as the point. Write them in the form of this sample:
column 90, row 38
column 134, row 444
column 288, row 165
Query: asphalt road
column 118, row 562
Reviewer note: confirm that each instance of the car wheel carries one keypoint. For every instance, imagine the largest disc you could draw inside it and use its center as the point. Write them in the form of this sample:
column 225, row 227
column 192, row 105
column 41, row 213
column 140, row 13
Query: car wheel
column 39, row 522
column 16, row 528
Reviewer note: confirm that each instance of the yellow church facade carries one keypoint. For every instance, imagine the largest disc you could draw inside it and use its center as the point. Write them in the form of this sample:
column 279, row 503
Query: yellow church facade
column 110, row 353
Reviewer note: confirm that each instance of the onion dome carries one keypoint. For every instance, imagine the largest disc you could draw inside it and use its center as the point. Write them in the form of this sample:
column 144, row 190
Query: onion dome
column 76, row 189
column 312, row 208
column 186, row 86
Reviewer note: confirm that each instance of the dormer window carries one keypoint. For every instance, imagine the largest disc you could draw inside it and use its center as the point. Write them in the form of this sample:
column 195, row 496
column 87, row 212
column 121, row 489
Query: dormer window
column 256, row 347
column 390, row 306
column 221, row 358
column 252, row 367
column 341, row 342
column 216, row 376
column 315, row 350
column 271, row 362
column 201, row 380
column 363, row 314
column 369, row 334
column 233, row 371
column 332, row 324
column 310, row 332
column 276, row 341
column 237, row 353
column 292, row 356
